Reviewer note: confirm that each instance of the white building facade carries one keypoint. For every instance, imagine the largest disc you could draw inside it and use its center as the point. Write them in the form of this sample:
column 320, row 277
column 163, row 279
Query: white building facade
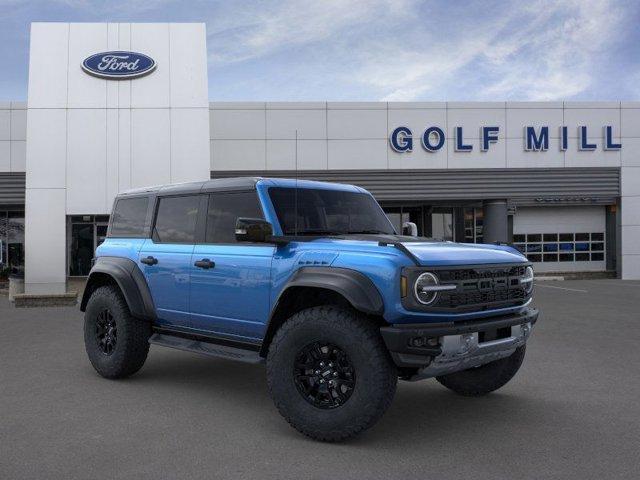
column 560, row 180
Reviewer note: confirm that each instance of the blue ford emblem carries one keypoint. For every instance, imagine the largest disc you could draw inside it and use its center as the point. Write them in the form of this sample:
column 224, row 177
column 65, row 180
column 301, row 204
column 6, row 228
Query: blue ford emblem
column 118, row 65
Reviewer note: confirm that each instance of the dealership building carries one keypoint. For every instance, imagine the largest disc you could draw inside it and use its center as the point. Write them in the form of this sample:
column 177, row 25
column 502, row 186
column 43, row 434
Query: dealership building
column 117, row 106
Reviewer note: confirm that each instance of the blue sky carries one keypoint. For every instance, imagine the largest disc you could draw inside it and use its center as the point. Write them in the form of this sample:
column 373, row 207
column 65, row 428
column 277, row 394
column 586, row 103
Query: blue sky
column 378, row 49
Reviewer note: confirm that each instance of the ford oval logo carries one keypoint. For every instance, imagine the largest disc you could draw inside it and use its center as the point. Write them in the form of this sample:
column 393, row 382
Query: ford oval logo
column 118, row 65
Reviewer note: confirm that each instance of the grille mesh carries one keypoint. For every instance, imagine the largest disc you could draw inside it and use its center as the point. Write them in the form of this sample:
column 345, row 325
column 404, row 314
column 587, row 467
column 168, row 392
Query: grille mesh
column 480, row 273
column 482, row 287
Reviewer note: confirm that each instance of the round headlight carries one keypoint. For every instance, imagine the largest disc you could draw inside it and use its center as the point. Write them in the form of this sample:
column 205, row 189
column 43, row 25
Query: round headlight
column 527, row 280
column 423, row 288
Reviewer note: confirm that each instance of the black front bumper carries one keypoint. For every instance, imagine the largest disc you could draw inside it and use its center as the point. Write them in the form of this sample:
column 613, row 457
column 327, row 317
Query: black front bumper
column 401, row 339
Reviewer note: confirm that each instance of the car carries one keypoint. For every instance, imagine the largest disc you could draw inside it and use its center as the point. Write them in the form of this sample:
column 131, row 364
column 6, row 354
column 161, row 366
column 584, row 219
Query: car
column 312, row 279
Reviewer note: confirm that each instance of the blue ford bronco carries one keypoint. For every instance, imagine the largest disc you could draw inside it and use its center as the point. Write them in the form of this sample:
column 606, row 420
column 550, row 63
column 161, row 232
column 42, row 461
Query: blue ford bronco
column 312, row 279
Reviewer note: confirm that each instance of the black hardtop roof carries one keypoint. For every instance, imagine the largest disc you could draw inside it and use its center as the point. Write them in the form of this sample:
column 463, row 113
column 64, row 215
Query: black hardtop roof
column 214, row 185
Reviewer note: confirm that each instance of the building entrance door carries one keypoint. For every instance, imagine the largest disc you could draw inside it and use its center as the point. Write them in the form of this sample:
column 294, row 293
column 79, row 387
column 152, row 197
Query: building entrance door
column 87, row 233
column 81, row 251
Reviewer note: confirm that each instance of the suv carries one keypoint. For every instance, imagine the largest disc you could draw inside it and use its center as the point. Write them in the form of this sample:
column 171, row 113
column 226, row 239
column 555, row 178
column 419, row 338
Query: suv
column 312, row 279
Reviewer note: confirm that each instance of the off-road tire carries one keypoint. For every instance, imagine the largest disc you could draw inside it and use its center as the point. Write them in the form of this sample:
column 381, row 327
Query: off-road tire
column 132, row 343
column 484, row 379
column 375, row 374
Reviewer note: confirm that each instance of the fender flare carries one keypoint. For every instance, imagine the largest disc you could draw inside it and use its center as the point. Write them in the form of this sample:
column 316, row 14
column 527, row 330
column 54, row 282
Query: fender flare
column 131, row 281
column 356, row 287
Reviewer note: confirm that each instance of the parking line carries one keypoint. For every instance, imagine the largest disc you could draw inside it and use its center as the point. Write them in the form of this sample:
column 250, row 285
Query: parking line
column 617, row 284
column 562, row 288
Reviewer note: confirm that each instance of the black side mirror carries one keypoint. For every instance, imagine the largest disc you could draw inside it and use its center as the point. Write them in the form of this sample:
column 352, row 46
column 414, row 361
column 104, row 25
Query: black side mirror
column 253, row 230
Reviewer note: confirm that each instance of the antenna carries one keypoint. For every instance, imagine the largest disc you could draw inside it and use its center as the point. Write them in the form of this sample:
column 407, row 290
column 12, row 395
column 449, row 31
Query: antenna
column 295, row 195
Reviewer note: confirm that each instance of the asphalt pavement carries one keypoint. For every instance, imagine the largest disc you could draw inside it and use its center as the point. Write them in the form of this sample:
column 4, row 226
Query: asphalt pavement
column 572, row 412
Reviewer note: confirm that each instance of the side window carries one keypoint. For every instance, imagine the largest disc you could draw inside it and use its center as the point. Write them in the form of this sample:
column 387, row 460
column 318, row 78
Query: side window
column 176, row 219
column 224, row 210
column 129, row 217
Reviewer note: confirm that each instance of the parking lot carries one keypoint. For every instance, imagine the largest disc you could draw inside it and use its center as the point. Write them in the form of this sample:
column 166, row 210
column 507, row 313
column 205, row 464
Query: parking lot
column 573, row 411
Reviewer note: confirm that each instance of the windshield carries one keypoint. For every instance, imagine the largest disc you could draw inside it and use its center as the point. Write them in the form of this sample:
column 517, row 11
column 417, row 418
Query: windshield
column 328, row 212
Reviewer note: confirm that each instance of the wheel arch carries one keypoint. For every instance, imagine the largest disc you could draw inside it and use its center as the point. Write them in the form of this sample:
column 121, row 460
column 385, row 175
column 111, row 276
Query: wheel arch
column 313, row 286
column 125, row 274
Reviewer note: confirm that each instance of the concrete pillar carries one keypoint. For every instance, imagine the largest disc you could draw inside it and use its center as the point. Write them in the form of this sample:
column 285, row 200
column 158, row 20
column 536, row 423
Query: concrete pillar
column 89, row 138
column 495, row 221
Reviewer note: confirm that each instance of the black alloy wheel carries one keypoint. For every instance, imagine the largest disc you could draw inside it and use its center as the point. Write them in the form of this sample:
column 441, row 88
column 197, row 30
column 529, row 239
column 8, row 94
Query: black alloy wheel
column 324, row 375
column 106, row 332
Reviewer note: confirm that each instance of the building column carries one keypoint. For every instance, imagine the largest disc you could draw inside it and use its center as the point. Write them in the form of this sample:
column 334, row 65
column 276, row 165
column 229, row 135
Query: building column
column 495, row 221
column 45, row 241
column 630, row 219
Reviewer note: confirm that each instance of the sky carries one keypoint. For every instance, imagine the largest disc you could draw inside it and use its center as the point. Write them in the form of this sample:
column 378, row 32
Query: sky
column 377, row 50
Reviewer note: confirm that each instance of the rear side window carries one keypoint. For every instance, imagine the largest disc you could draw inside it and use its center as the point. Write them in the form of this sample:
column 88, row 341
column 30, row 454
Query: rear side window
column 176, row 219
column 129, row 217
column 224, row 210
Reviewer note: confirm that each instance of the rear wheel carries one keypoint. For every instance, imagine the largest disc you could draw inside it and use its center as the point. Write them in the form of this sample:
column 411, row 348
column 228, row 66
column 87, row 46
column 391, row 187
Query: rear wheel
column 117, row 344
column 486, row 378
column 329, row 373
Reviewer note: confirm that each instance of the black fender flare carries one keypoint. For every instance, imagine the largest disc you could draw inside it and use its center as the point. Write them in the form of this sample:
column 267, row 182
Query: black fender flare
column 356, row 287
column 131, row 281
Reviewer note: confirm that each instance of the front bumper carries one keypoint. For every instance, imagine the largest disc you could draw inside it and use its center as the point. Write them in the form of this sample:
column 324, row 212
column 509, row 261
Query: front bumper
column 441, row 348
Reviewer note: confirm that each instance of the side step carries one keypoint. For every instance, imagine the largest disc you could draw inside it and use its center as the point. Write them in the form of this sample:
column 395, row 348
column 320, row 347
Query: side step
column 206, row 348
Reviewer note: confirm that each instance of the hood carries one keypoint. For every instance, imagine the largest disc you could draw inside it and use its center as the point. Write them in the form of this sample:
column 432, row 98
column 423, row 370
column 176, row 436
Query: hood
column 430, row 252
column 449, row 253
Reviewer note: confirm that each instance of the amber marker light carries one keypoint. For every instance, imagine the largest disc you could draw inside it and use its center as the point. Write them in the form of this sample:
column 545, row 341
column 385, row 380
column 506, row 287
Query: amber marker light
column 403, row 286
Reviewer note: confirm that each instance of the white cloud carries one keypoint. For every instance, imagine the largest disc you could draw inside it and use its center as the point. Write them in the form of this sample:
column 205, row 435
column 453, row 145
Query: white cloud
column 559, row 58
column 407, row 50
column 545, row 51
column 252, row 33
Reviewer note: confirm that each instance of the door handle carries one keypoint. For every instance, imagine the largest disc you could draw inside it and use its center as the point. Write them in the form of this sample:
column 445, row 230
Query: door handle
column 149, row 260
column 205, row 263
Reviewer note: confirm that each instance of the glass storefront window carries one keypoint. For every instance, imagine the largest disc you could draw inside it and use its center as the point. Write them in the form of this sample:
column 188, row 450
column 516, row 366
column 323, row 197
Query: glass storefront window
column 469, row 225
column 434, row 222
column 12, row 239
column 399, row 215
column 473, row 223
column 479, row 225
column 442, row 223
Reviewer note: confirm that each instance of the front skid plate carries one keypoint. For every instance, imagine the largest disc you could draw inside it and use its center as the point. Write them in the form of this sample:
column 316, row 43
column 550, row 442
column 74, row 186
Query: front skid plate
column 460, row 352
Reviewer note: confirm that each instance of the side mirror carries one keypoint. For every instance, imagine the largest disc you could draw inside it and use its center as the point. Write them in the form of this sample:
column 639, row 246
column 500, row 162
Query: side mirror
column 253, row 230
column 410, row 229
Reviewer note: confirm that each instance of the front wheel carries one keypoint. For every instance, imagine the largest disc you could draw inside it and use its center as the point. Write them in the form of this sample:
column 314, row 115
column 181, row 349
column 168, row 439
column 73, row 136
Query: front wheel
column 484, row 379
column 329, row 373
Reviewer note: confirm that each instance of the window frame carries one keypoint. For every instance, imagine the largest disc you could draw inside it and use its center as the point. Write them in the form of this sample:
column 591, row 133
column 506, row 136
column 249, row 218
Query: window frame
column 204, row 217
column 154, row 222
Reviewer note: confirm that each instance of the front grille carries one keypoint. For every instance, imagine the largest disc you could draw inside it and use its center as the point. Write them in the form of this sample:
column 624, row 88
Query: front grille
column 482, row 287
column 476, row 298
column 449, row 276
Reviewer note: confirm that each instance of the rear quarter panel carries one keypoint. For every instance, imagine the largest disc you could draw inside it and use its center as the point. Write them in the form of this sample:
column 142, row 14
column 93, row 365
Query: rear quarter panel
column 121, row 247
